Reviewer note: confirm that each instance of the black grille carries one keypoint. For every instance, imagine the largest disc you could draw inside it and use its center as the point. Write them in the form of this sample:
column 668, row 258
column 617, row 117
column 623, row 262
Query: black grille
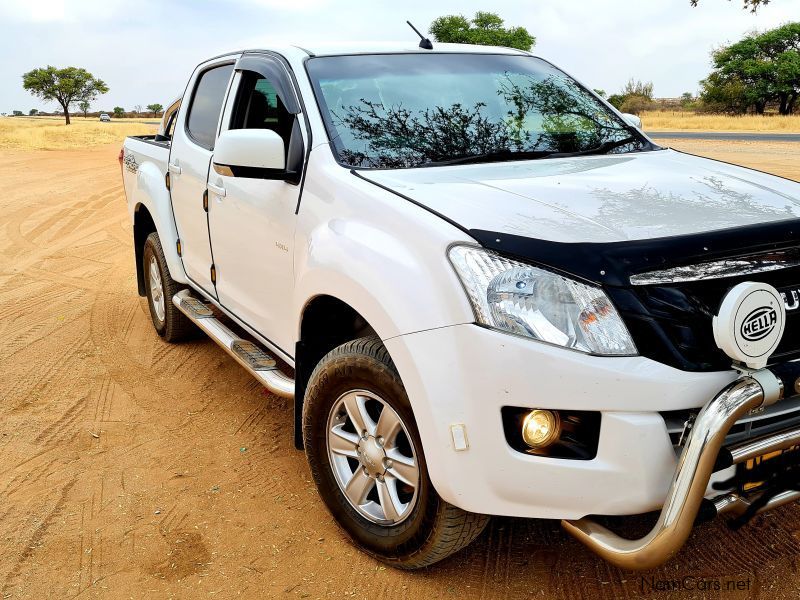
column 672, row 323
column 782, row 415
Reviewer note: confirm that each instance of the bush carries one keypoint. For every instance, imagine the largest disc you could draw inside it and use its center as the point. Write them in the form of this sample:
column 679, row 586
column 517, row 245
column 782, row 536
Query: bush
column 636, row 104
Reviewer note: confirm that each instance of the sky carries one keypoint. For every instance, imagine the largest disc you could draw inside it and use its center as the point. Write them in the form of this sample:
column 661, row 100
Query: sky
column 145, row 49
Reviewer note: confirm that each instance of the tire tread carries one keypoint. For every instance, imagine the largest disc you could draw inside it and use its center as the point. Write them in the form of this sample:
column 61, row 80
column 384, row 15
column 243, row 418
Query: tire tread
column 177, row 326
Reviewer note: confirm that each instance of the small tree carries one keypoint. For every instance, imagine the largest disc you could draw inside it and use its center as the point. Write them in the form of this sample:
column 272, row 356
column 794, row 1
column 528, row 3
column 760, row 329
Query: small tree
column 64, row 86
column 599, row 92
column 635, row 97
column 84, row 105
column 485, row 29
column 137, row 109
column 33, row 112
column 119, row 112
column 17, row 113
column 637, row 87
column 155, row 109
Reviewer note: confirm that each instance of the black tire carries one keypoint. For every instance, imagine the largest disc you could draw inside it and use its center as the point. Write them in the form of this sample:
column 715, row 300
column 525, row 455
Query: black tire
column 434, row 529
column 174, row 326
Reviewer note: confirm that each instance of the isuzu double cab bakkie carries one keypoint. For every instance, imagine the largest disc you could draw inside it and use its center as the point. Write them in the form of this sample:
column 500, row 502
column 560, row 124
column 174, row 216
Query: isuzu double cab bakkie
column 486, row 290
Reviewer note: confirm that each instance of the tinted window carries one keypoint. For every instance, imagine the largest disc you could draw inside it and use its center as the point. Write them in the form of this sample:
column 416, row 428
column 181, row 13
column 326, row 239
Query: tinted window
column 258, row 106
column 410, row 110
column 209, row 94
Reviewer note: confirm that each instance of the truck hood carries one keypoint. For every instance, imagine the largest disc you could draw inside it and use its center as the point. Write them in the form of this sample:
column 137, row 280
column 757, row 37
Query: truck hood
column 607, row 198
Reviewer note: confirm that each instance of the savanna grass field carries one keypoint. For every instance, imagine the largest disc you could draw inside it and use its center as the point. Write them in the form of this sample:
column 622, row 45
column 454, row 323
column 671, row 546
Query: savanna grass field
column 131, row 468
column 51, row 133
column 693, row 121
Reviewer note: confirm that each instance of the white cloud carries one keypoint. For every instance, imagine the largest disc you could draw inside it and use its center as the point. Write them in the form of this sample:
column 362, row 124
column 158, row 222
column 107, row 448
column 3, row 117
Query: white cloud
column 25, row 10
column 66, row 11
column 285, row 5
column 145, row 49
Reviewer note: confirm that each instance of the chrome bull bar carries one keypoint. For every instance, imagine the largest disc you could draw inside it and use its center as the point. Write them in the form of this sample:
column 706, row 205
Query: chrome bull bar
column 697, row 462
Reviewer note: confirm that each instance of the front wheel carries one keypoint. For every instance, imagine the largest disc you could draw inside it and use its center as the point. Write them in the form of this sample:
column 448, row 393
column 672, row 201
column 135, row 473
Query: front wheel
column 366, row 458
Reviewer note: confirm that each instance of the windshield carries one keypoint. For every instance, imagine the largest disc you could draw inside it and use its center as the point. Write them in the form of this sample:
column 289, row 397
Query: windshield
column 412, row 110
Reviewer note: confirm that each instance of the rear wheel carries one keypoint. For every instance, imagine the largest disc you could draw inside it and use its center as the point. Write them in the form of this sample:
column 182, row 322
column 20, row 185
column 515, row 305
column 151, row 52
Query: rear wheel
column 170, row 323
column 366, row 458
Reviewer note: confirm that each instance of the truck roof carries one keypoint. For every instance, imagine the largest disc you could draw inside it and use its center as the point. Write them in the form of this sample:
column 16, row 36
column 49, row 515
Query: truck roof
column 333, row 48
column 349, row 48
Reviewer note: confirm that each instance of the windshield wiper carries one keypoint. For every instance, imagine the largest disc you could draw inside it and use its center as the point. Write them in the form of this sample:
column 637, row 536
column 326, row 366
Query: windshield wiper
column 509, row 155
column 489, row 157
column 603, row 148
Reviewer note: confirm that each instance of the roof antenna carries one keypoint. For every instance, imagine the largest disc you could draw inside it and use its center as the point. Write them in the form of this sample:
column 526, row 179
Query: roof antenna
column 424, row 42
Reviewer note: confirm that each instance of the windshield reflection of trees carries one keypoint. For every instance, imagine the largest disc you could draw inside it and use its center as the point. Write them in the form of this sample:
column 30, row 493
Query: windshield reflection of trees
column 542, row 116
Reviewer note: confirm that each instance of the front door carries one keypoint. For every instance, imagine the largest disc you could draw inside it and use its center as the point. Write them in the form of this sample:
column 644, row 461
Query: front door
column 252, row 220
column 190, row 158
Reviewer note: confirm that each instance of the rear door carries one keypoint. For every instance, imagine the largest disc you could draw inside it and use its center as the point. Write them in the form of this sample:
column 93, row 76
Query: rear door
column 192, row 147
column 252, row 218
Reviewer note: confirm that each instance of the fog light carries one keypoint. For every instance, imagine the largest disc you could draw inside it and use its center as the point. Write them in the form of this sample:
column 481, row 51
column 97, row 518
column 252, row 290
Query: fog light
column 541, row 428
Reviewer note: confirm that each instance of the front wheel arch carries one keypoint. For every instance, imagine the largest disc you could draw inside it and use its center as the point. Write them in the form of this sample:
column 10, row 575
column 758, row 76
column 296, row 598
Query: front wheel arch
column 326, row 323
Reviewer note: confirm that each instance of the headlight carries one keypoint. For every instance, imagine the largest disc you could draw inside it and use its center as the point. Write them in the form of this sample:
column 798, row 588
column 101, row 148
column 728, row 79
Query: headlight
column 511, row 296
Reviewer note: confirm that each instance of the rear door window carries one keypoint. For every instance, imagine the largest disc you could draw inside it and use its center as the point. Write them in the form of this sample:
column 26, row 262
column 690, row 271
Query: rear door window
column 206, row 105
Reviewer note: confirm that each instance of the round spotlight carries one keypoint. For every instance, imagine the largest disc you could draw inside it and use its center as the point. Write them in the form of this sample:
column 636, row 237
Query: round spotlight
column 541, row 428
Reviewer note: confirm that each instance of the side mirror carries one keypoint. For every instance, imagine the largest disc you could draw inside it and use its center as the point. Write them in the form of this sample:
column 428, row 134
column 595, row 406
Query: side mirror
column 632, row 120
column 249, row 149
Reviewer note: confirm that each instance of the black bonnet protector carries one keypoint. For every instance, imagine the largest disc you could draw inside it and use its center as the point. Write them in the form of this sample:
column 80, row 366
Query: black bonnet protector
column 669, row 322
column 613, row 263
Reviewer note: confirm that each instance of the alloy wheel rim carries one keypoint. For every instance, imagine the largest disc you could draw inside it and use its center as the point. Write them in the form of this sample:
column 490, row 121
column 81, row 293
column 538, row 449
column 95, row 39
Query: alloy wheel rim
column 373, row 457
column 156, row 290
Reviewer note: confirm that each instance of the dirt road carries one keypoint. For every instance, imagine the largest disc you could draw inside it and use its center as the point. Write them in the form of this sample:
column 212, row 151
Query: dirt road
column 133, row 468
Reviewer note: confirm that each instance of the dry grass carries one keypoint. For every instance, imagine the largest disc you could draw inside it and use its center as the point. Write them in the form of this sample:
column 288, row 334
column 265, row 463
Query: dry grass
column 50, row 133
column 676, row 121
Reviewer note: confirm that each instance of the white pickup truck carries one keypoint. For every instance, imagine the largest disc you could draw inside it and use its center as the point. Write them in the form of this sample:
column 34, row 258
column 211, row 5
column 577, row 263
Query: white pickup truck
column 487, row 292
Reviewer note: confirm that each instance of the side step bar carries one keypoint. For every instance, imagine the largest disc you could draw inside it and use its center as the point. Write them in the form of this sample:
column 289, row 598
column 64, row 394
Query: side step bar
column 257, row 362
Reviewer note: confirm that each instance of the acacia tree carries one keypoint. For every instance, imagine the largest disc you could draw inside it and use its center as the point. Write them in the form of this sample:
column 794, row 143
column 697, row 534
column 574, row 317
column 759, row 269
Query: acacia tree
column 84, row 105
column 761, row 68
column 486, row 29
column 155, row 109
column 64, row 86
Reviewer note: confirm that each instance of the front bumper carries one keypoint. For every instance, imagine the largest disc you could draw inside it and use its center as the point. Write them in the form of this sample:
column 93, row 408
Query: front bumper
column 702, row 455
column 465, row 374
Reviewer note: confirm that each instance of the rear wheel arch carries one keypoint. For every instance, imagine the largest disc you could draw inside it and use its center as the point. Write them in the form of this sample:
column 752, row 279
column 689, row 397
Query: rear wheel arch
column 143, row 226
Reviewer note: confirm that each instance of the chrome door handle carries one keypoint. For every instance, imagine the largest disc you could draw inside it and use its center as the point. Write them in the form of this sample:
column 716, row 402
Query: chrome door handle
column 174, row 169
column 216, row 189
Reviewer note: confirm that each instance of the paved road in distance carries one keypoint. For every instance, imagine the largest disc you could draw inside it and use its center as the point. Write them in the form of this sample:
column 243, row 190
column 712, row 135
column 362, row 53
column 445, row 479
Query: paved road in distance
column 726, row 135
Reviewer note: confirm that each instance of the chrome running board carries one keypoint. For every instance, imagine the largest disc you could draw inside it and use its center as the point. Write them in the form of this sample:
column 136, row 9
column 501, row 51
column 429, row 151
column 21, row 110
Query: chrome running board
column 252, row 357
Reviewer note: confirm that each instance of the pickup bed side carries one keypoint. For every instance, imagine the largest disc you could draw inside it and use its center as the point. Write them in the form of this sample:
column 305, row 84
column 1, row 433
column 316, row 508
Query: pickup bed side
column 144, row 169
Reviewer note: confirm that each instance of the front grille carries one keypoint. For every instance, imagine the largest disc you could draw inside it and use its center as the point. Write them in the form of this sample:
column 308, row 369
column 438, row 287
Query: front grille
column 671, row 323
column 782, row 415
